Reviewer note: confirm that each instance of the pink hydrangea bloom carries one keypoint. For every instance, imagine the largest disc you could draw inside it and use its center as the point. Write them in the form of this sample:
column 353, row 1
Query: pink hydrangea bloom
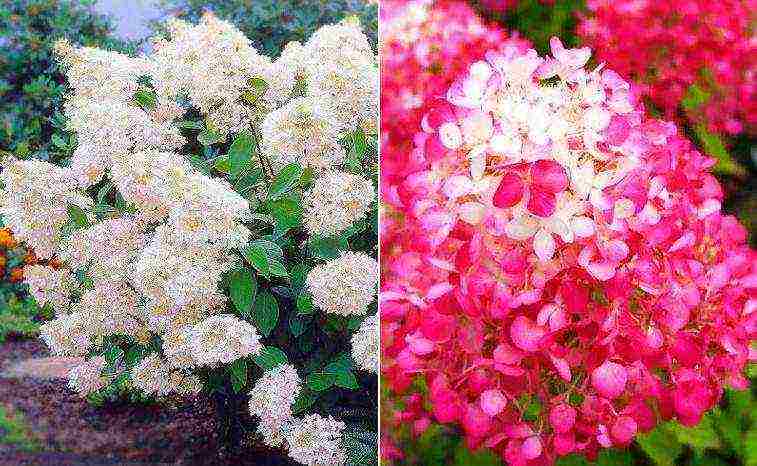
column 667, row 48
column 622, row 297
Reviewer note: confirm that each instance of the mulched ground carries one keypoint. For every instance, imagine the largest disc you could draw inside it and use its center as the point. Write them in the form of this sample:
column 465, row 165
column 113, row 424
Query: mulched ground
column 73, row 433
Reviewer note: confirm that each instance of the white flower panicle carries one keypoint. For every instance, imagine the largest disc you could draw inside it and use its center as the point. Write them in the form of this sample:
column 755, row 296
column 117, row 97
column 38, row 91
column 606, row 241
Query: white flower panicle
column 50, row 286
column 105, row 250
column 274, row 394
column 153, row 376
column 34, row 203
column 87, row 378
column 345, row 285
column 365, row 345
column 223, row 339
column 342, row 72
column 317, row 441
column 112, row 308
column 303, row 131
column 336, row 201
column 67, row 335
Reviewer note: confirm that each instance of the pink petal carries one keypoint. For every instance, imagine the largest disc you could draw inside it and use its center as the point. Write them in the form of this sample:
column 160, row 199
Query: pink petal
column 563, row 368
column 526, row 334
column 531, row 448
column 562, row 417
column 624, row 429
column 609, row 379
column 492, row 402
column 541, row 203
column 549, row 175
column 506, row 354
column 509, row 192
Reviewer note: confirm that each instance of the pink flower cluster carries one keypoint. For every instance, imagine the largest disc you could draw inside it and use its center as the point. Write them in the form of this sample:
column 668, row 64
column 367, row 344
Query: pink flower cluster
column 557, row 274
column 668, row 47
column 425, row 44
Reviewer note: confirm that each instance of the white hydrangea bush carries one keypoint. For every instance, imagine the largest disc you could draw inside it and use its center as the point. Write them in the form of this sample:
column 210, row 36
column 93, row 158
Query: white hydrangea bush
column 214, row 229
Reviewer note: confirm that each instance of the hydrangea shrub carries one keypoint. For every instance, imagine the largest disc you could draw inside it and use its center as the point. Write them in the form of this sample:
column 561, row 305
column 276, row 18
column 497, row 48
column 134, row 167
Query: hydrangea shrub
column 187, row 227
column 560, row 278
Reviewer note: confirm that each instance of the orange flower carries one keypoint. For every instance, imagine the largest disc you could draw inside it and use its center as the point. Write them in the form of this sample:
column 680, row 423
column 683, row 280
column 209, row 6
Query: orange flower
column 30, row 258
column 17, row 274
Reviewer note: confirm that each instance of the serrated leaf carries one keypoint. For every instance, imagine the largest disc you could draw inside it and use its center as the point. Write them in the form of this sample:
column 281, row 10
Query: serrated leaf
column 287, row 212
column 297, row 325
column 238, row 373
column 304, row 401
column 305, row 303
column 270, row 357
column 267, row 258
column 256, row 88
column 327, row 248
column 320, row 381
column 242, row 289
column 266, row 313
column 285, row 180
column 77, row 215
column 661, row 445
column 240, row 153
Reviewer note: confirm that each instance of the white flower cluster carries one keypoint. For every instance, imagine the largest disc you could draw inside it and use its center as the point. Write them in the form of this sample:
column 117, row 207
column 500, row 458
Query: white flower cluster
column 345, row 285
column 87, row 378
column 336, row 200
column 365, row 345
column 271, row 401
column 34, row 203
column 50, row 286
column 342, row 92
column 316, row 441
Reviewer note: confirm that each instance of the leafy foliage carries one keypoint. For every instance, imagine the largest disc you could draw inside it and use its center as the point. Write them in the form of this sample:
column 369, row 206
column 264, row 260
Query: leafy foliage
column 271, row 24
column 31, row 85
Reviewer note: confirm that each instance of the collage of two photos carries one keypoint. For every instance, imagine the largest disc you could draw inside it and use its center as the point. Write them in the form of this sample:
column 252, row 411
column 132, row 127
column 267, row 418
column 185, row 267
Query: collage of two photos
column 363, row 233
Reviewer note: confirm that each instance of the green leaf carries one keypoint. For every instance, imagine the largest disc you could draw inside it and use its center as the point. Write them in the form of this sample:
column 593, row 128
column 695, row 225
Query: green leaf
column 304, row 401
column 285, row 180
column 242, row 288
column 287, row 212
column 661, row 445
column 266, row 313
column 257, row 257
column 256, row 88
column 327, row 248
column 699, row 437
column 222, row 164
column 113, row 353
column 238, row 373
column 613, row 457
column 77, row 215
column 482, row 457
column 145, row 98
column 714, row 146
column 270, row 357
column 240, row 153
column 208, row 137
column 305, row 303
column 347, row 379
column 320, row 381
column 267, row 258
column 298, row 325
column 190, row 124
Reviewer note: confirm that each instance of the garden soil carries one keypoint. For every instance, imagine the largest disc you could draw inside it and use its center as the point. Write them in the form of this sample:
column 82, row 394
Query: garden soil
column 70, row 432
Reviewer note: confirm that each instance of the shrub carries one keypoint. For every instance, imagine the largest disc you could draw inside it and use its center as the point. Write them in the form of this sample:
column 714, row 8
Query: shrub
column 561, row 278
column 182, row 223
column 271, row 24
column 31, row 86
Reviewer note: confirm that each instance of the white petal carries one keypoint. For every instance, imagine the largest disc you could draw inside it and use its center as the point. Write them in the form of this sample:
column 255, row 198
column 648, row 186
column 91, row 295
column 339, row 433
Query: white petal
column 582, row 226
column 521, row 228
column 477, row 162
column 544, row 245
column 472, row 212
